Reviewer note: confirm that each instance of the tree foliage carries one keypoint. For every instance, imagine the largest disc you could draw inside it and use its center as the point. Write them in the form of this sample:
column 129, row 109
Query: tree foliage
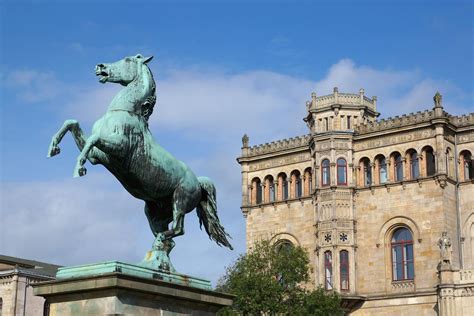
column 271, row 281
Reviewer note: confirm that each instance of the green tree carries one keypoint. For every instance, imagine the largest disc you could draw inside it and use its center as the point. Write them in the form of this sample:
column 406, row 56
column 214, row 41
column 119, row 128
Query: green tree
column 270, row 279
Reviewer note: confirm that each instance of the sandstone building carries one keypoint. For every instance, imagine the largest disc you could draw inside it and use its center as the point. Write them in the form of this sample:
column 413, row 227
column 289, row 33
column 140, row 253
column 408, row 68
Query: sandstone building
column 16, row 293
column 385, row 208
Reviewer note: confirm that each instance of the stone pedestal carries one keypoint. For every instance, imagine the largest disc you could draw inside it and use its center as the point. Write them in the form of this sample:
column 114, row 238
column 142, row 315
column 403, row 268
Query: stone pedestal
column 128, row 292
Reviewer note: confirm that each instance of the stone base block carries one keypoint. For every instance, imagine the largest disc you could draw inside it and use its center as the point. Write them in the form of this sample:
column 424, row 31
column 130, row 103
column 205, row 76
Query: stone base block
column 121, row 294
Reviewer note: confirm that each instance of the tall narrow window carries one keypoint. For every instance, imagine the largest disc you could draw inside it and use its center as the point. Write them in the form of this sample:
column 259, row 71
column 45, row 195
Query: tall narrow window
column 398, row 167
column 325, row 173
column 344, row 269
column 414, row 169
column 272, row 192
column 402, row 255
column 285, row 188
column 328, row 285
column 308, row 182
column 382, row 170
column 259, row 193
column 430, row 161
column 326, row 124
column 256, row 194
column 297, row 184
column 341, row 171
column 367, row 172
column 467, row 165
column 348, row 122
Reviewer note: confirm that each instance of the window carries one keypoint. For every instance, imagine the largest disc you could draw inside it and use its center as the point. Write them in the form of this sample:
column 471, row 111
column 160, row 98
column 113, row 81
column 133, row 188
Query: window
column 344, row 269
column 398, row 167
column 297, row 184
column 256, row 194
column 430, row 161
column 341, row 172
column 328, row 270
column 367, row 170
column 467, row 165
column 259, row 193
column 382, row 170
column 325, row 173
column 402, row 255
column 414, row 169
column 326, row 124
column 348, row 122
column 1, row 306
column 308, row 181
column 282, row 187
column 269, row 195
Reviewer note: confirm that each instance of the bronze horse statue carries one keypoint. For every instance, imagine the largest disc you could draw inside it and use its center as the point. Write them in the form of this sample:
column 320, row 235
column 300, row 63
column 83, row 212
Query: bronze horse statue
column 123, row 143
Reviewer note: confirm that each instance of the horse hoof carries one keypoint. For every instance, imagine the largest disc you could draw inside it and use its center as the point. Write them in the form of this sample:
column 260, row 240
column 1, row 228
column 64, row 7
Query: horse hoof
column 53, row 151
column 80, row 172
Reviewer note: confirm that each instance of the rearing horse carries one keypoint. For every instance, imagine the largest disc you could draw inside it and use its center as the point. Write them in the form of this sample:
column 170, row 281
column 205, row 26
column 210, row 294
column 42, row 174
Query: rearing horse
column 122, row 142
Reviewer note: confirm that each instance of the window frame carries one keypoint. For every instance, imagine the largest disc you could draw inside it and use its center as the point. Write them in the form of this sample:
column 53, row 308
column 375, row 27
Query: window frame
column 328, row 277
column 402, row 244
column 345, row 171
column 430, row 162
column 344, row 276
column 382, row 165
column 414, row 166
column 326, row 168
column 398, row 167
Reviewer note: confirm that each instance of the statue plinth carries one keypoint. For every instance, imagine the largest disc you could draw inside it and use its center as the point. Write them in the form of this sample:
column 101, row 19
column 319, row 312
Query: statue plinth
column 116, row 288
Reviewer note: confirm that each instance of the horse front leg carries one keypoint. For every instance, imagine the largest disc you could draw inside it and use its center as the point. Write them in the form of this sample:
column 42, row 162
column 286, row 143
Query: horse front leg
column 111, row 144
column 76, row 131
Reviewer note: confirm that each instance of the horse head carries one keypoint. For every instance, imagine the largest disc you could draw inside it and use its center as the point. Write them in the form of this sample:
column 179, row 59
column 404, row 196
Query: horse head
column 123, row 71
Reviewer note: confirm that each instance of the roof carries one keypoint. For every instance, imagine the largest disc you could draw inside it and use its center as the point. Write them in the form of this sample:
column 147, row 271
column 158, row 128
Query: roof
column 30, row 266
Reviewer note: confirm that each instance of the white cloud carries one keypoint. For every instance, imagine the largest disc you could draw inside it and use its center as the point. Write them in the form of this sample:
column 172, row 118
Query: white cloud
column 33, row 86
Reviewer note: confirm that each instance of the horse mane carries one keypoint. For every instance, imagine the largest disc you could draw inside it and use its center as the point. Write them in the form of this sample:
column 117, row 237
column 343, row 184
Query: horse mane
column 149, row 104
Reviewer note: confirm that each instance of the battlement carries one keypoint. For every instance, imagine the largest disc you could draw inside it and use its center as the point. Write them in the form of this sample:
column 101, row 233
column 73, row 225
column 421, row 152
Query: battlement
column 397, row 121
column 337, row 98
column 463, row 120
column 279, row 145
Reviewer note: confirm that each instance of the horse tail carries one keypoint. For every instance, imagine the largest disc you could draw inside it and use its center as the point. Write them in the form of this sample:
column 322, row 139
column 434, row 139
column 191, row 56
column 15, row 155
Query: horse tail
column 207, row 213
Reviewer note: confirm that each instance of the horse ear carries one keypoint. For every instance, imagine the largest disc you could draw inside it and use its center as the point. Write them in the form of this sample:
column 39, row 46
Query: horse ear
column 147, row 59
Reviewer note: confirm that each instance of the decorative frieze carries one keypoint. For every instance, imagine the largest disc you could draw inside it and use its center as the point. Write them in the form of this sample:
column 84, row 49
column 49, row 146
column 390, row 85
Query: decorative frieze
column 278, row 162
column 383, row 141
column 466, row 138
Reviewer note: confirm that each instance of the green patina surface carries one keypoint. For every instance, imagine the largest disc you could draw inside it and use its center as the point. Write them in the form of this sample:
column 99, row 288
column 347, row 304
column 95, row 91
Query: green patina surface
column 97, row 269
column 121, row 141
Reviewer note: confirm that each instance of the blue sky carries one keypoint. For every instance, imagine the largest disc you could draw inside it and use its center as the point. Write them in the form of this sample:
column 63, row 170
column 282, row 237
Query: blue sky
column 222, row 69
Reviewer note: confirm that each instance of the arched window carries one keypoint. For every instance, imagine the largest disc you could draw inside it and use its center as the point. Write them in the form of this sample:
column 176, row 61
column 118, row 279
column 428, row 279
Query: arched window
column 382, row 169
column 328, row 285
column 269, row 189
column 308, row 181
column 414, row 168
column 341, row 171
column 467, row 165
column 257, row 192
column 284, row 245
column 344, row 269
column 297, row 184
column 402, row 255
column 325, row 173
column 430, row 161
column 366, row 171
column 398, row 166
column 282, row 186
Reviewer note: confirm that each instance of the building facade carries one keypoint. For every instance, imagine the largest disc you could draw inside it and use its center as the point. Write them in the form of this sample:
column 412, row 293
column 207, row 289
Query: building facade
column 385, row 208
column 16, row 294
